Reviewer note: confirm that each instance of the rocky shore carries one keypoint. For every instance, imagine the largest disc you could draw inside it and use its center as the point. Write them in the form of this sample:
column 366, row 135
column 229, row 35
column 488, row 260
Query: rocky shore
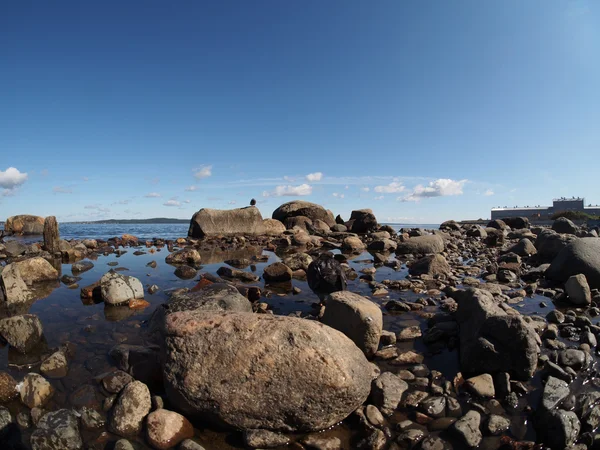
column 302, row 331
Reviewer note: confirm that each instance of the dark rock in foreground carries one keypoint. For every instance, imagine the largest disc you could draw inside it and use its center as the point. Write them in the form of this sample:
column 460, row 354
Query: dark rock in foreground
column 580, row 256
column 268, row 372
column 493, row 341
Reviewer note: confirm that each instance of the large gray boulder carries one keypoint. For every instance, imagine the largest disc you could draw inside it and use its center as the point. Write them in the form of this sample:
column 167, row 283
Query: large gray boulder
column 117, row 289
column 564, row 226
column 261, row 371
column 22, row 332
column 228, row 222
column 581, row 256
column 24, row 224
column 357, row 317
column 491, row 340
column 35, row 270
column 14, row 287
column 434, row 265
column 215, row 297
column 301, row 208
column 421, row 245
column 362, row 221
column 549, row 243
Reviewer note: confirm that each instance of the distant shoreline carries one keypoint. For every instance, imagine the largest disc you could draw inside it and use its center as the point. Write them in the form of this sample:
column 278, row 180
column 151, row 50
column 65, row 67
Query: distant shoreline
column 159, row 220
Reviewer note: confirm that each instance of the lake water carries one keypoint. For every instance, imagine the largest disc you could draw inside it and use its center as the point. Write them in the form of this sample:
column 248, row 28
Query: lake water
column 147, row 231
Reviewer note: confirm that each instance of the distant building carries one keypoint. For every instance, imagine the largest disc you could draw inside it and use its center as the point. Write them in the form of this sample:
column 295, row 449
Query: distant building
column 546, row 212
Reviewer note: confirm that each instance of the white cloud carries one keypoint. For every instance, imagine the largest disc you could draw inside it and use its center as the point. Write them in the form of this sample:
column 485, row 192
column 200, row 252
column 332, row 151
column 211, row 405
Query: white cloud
column 393, row 188
column 289, row 179
column 347, row 187
column 152, row 195
column 232, row 202
column 335, row 194
column 191, row 188
column 488, row 193
column 122, row 202
column 381, row 197
column 172, row 203
column 291, row 191
column 442, row 187
column 62, row 190
column 365, row 189
column 202, row 172
column 8, row 193
column 12, row 178
column 85, row 178
column 317, row 176
column 187, row 201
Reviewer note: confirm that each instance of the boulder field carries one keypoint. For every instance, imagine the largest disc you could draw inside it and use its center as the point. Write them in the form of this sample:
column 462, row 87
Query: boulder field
column 271, row 332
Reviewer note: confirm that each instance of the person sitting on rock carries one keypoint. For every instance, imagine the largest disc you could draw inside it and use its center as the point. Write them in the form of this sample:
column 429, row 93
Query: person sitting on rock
column 253, row 202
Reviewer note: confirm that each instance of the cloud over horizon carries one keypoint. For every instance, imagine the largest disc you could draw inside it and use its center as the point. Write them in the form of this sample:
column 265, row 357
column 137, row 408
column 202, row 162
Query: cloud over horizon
column 153, row 195
column 441, row 187
column 289, row 191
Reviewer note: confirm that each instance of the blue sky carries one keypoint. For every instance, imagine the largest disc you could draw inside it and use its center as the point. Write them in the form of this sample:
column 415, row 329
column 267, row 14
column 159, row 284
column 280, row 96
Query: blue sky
column 422, row 111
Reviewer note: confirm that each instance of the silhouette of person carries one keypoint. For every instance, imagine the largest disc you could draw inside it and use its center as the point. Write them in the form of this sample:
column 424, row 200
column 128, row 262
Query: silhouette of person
column 252, row 202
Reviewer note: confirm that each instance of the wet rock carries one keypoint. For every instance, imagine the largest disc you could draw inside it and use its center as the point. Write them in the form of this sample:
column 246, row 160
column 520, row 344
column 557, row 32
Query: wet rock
column 421, row 245
column 410, row 438
column 353, row 244
column 115, row 381
column 35, row 270
column 326, row 275
column 410, row 333
column 573, row 358
column 238, row 221
column 185, row 272
column 14, row 248
column 35, row 390
column 8, row 387
column 81, row 267
column 578, row 290
column 264, row 439
column 165, row 429
column 497, row 425
column 555, row 316
column 153, row 289
column 555, row 391
column 228, row 272
column 298, row 261
column 23, row 332
column 550, row 243
column 481, row 386
column 387, row 391
column 15, row 290
column 434, row 407
column 123, row 444
column 558, row 429
column 184, row 256
column 492, row 341
column 225, row 358
column 434, row 443
column 188, row 444
column 132, row 406
column 91, row 419
column 277, row 272
column 357, row 317
column 467, row 429
column 117, row 289
column 58, row 430
column 581, row 256
column 55, row 366
column 431, row 265
column 316, row 442
column 382, row 245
